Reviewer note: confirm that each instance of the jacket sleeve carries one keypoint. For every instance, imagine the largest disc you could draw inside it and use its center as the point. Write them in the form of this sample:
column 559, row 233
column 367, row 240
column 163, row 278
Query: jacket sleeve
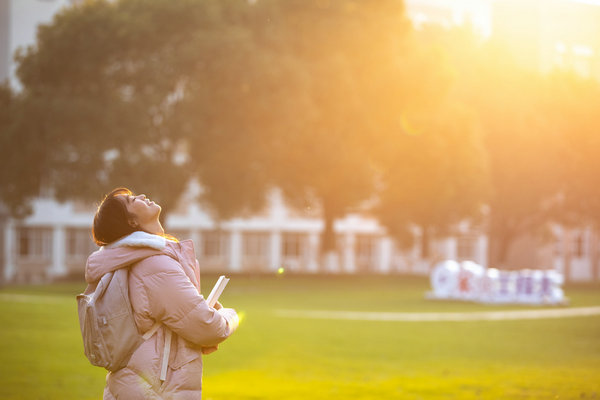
column 175, row 301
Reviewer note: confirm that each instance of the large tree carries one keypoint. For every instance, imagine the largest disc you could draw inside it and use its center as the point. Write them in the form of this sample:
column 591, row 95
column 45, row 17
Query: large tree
column 524, row 148
column 434, row 170
column 358, row 73
column 327, row 88
column 521, row 141
column 573, row 103
column 510, row 127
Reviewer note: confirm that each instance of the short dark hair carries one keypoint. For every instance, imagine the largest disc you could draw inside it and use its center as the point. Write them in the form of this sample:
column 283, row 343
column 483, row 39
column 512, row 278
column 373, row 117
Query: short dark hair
column 112, row 220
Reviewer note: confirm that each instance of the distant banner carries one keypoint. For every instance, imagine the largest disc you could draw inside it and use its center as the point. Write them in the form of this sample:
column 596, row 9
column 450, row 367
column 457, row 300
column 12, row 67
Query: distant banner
column 469, row 281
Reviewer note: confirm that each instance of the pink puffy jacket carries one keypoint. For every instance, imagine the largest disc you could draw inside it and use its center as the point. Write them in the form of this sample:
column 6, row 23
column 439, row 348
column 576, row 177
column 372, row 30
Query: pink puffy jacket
column 164, row 285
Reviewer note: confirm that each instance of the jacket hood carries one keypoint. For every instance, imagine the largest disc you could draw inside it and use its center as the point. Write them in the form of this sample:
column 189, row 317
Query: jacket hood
column 124, row 252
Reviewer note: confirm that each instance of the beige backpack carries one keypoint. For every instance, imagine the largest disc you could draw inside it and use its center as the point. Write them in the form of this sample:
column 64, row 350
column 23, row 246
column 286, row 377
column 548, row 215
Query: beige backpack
column 108, row 328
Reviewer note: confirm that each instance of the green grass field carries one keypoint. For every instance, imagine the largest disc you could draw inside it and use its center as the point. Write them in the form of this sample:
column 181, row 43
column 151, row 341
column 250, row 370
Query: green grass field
column 270, row 357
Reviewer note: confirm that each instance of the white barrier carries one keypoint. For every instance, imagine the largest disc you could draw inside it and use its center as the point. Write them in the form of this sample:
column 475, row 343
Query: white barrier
column 469, row 281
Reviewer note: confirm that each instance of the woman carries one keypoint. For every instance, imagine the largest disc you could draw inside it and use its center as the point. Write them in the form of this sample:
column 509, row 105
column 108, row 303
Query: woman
column 164, row 286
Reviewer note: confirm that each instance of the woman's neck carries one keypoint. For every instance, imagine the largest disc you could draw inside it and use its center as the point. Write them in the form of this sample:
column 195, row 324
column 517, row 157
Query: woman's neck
column 153, row 227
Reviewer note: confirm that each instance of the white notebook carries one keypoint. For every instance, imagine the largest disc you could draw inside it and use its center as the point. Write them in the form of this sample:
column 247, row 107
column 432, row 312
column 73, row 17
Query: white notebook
column 216, row 291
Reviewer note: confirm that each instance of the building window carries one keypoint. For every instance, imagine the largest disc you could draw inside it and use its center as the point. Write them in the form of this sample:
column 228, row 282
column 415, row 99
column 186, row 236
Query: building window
column 80, row 243
column 256, row 244
column 292, row 245
column 214, row 244
column 466, row 246
column 34, row 243
column 366, row 252
column 365, row 247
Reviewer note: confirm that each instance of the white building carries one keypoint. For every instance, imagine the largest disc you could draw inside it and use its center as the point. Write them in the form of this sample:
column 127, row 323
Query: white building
column 56, row 239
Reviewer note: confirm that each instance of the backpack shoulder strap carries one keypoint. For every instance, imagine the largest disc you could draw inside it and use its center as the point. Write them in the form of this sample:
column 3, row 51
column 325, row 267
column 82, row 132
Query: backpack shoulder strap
column 166, row 350
column 152, row 330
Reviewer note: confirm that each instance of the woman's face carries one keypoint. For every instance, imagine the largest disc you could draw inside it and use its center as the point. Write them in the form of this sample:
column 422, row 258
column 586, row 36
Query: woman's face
column 144, row 210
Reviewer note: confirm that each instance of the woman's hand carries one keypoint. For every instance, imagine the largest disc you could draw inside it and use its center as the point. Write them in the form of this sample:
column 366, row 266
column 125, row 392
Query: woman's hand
column 218, row 306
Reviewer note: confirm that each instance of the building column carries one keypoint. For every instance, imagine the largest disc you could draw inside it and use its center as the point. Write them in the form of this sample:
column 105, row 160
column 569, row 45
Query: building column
column 59, row 248
column 481, row 250
column 235, row 251
column 10, row 247
column 3, row 221
column 349, row 253
column 385, row 249
column 197, row 240
column 588, row 253
column 449, row 251
column 313, row 247
column 594, row 256
column 275, row 259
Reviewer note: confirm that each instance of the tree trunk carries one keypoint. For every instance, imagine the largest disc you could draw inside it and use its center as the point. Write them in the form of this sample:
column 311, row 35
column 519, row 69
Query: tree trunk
column 595, row 256
column 3, row 251
column 500, row 237
column 569, row 248
column 425, row 242
column 503, row 245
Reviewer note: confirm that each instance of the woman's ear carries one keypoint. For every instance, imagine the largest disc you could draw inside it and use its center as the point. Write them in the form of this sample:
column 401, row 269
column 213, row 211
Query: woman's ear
column 133, row 223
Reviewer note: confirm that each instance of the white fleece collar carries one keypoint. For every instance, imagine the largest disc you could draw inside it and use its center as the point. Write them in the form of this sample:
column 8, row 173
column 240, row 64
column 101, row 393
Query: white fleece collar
column 140, row 239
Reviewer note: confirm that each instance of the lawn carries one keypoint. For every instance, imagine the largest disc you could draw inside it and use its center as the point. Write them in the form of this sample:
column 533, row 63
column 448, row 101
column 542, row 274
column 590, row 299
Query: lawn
column 274, row 357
